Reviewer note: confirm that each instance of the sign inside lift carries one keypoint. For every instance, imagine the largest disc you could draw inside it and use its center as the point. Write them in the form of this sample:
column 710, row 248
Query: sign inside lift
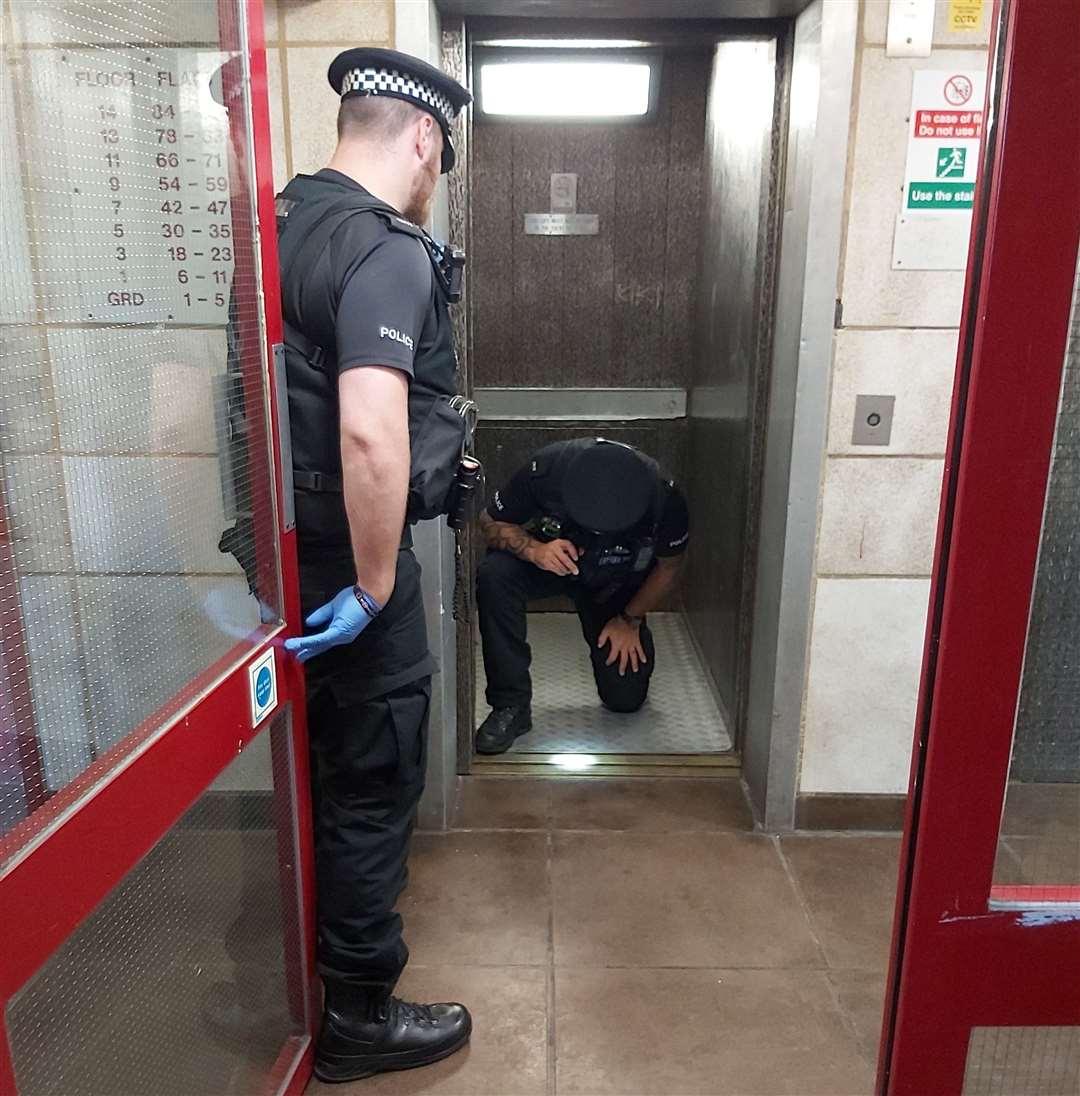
column 262, row 680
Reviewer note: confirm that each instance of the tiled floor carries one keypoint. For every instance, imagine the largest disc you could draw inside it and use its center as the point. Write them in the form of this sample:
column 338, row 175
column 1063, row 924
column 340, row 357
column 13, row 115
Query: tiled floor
column 681, row 715
column 635, row 937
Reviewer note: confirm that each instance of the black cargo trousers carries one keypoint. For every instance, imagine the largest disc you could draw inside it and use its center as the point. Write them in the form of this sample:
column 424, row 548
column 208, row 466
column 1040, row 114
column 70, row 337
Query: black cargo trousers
column 367, row 713
column 504, row 585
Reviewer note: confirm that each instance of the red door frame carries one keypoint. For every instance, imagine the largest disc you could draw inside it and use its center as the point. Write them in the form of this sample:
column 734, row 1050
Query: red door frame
column 120, row 807
column 959, row 961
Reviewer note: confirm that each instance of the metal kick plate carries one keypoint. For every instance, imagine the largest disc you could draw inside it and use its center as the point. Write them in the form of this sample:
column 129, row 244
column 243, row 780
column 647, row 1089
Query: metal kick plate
column 873, row 420
column 562, row 224
column 572, row 404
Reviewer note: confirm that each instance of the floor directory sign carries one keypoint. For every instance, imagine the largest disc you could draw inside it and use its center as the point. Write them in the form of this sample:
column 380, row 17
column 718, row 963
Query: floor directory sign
column 144, row 187
column 945, row 130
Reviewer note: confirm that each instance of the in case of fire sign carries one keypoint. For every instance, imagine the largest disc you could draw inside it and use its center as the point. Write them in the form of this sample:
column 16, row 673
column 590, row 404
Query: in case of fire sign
column 945, row 130
column 943, row 142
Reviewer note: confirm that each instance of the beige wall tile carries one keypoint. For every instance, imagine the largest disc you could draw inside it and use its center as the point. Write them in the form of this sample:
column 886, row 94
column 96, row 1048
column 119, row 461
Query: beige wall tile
column 271, row 21
column 879, row 516
column 417, row 29
column 106, row 22
column 26, row 412
column 36, row 504
column 147, row 515
column 351, row 22
column 312, row 107
column 876, row 21
column 16, row 278
column 56, row 676
column 865, row 659
column 148, row 636
column 916, row 367
column 873, row 293
column 278, row 144
column 124, row 390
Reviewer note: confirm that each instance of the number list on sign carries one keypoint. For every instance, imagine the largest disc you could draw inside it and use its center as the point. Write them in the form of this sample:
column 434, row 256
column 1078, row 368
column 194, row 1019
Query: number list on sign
column 144, row 186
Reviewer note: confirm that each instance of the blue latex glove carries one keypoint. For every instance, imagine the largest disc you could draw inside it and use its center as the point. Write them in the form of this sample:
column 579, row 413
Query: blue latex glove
column 345, row 618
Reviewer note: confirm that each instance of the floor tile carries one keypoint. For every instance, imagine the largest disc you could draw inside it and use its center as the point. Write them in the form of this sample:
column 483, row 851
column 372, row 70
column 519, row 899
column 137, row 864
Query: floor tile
column 850, row 886
column 650, row 806
column 703, row 1033
column 508, row 1055
column 862, row 999
column 503, row 803
column 478, row 898
column 663, row 900
column 1038, row 810
column 1023, row 1061
column 1039, row 861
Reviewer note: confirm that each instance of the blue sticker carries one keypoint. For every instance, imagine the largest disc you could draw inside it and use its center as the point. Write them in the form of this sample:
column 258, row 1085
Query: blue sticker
column 263, row 685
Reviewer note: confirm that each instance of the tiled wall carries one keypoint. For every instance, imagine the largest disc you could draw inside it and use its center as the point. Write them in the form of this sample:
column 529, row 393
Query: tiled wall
column 302, row 38
column 879, row 505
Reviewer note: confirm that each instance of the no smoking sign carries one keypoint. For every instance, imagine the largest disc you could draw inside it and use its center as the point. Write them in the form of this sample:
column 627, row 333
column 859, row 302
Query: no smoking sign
column 958, row 90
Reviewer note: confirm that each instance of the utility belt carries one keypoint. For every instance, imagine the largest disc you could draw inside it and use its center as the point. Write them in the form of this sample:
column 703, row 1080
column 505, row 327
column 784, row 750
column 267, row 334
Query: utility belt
column 458, row 502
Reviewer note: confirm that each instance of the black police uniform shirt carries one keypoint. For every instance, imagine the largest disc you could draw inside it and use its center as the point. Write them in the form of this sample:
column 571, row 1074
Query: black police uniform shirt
column 387, row 312
column 387, row 309
column 535, row 492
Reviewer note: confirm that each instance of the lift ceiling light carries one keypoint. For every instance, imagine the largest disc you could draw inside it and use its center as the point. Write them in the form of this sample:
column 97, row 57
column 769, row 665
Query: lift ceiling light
column 566, row 88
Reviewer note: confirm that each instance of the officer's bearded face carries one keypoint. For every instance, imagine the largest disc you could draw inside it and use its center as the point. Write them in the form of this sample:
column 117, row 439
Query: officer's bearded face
column 418, row 209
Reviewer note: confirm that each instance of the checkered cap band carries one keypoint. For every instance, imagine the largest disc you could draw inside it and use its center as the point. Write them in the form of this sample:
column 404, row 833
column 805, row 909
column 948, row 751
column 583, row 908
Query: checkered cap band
column 374, row 81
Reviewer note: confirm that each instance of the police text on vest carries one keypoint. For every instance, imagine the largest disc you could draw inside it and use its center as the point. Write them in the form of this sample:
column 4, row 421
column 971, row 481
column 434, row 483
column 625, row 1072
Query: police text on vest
column 397, row 336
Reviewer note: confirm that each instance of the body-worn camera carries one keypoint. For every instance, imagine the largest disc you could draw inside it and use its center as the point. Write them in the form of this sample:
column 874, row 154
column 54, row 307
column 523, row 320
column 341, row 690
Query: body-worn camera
column 450, row 264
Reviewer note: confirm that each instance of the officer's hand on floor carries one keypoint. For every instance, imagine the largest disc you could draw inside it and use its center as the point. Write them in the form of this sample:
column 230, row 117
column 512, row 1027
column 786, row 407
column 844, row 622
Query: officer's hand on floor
column 557, row 556
column 345, row 618
column 625, row 640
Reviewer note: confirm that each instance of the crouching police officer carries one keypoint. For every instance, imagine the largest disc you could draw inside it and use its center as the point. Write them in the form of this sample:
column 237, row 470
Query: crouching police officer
column 376, row 438
column 595, row 520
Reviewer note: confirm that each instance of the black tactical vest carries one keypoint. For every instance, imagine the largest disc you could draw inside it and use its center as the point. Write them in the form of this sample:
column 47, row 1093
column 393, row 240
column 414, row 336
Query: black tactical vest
column 310, row 210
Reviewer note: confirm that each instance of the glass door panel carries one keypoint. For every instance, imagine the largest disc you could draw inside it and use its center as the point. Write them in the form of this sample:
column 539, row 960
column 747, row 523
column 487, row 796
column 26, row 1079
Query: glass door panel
column 1039, row 849
column 138, row 550
column 178, row 983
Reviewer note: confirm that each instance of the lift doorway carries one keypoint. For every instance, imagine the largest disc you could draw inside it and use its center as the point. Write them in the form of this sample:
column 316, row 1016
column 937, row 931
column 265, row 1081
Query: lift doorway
column 621, row 285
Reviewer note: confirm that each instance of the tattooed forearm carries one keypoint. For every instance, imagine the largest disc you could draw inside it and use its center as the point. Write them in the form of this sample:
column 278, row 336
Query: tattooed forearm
column 506, row 536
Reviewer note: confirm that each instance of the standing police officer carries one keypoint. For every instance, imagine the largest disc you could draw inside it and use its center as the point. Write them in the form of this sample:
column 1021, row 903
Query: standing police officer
column 595, row 520
column 371, row 366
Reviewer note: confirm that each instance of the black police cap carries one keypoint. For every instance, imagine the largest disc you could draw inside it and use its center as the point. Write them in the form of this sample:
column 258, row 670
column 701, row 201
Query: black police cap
column 608, row 487
column 369, row 70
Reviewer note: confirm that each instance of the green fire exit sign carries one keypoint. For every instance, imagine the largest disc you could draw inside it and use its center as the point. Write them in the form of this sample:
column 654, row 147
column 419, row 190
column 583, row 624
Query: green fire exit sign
column 951, row 162
column 940, row 195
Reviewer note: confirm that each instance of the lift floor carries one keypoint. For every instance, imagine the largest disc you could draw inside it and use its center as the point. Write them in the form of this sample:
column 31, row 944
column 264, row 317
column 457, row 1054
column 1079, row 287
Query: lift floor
column 681, row 716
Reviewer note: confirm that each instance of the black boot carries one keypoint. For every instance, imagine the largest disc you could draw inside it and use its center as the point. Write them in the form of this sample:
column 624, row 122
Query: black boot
column 366, row 1031
column 498, row 732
